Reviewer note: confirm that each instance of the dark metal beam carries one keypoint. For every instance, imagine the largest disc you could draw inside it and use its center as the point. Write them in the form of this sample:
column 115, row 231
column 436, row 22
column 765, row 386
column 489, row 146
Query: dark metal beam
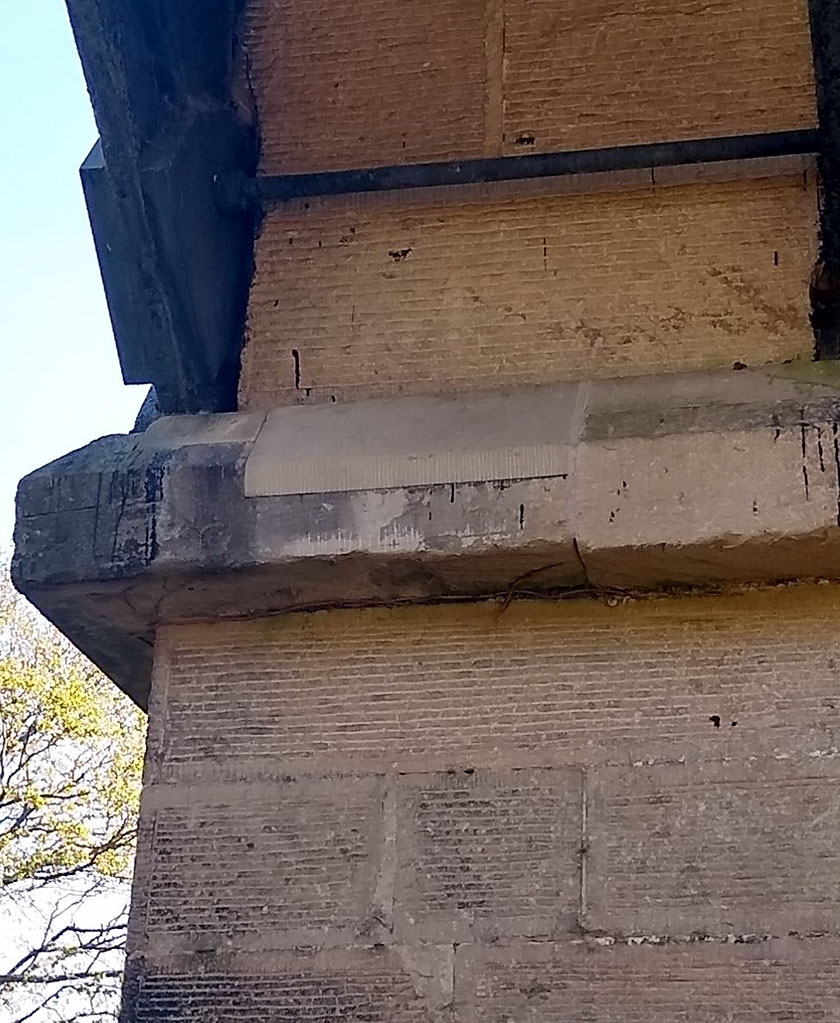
column 281, row 188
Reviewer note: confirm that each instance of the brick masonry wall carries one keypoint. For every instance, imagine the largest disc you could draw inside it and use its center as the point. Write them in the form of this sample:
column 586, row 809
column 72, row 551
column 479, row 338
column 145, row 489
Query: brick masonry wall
column 373, row 295
column 549, row 812
column 340, row 85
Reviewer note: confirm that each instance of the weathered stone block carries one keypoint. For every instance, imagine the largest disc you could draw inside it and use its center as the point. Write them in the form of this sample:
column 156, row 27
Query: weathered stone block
column 593, row 73
column 543, row 982
column 334, row 987
column 487, row 853
column 271, row 865
column 745, row 847
column 356, row 86
column 422, row 293
column 538, row 684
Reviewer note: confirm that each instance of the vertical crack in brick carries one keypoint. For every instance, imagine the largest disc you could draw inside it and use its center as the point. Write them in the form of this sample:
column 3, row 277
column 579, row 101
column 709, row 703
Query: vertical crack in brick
column 804, row 445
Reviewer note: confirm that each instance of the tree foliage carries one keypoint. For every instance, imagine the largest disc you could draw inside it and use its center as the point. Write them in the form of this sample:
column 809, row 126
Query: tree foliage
column 71, row 749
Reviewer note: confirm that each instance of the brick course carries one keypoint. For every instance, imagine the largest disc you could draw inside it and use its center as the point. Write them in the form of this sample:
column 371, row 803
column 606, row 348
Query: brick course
column 339, row 86
column 539, row 684
column 744, row 847
column 463, row 812
column 295, row 860
column 590, row 73
column 459, row 833
column 695, row 983
column 294, row 988
column 364, row 296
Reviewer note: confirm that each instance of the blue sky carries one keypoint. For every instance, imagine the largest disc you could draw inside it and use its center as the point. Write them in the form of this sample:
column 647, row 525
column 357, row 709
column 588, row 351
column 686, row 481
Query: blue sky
column 60, row 384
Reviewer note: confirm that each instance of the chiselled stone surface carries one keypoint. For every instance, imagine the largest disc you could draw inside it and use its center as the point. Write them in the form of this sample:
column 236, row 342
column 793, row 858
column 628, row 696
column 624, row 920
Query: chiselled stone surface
column 540, row 812
column 487, row 853
column 338, row 987
column 442, row 728
column 287, row 863
column 423, row 293
column 745, row 847
column 614, row 72
column 341, row 87
column 354, row 86
column 538, row 684
column 698, row 983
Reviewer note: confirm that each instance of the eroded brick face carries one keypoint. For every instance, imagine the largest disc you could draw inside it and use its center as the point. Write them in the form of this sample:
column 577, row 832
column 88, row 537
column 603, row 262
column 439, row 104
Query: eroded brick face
column 550, row 811
column 290, row 988
column 320, row 842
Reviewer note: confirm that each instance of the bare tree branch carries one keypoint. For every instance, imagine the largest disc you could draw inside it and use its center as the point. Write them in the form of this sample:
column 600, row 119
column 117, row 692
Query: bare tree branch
column 61, row 978
column 70, row 759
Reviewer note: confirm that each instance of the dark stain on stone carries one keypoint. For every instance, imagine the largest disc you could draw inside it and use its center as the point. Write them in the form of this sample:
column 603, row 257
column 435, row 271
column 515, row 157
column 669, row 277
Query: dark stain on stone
column 802, row 429
column 154, row 484
column 779, row 319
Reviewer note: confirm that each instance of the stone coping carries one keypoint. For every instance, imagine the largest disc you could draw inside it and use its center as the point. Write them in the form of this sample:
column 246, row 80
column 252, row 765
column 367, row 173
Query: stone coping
column 690, row 480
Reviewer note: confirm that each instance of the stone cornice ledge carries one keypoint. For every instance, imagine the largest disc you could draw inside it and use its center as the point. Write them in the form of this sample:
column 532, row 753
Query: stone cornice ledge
column 695, row 479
